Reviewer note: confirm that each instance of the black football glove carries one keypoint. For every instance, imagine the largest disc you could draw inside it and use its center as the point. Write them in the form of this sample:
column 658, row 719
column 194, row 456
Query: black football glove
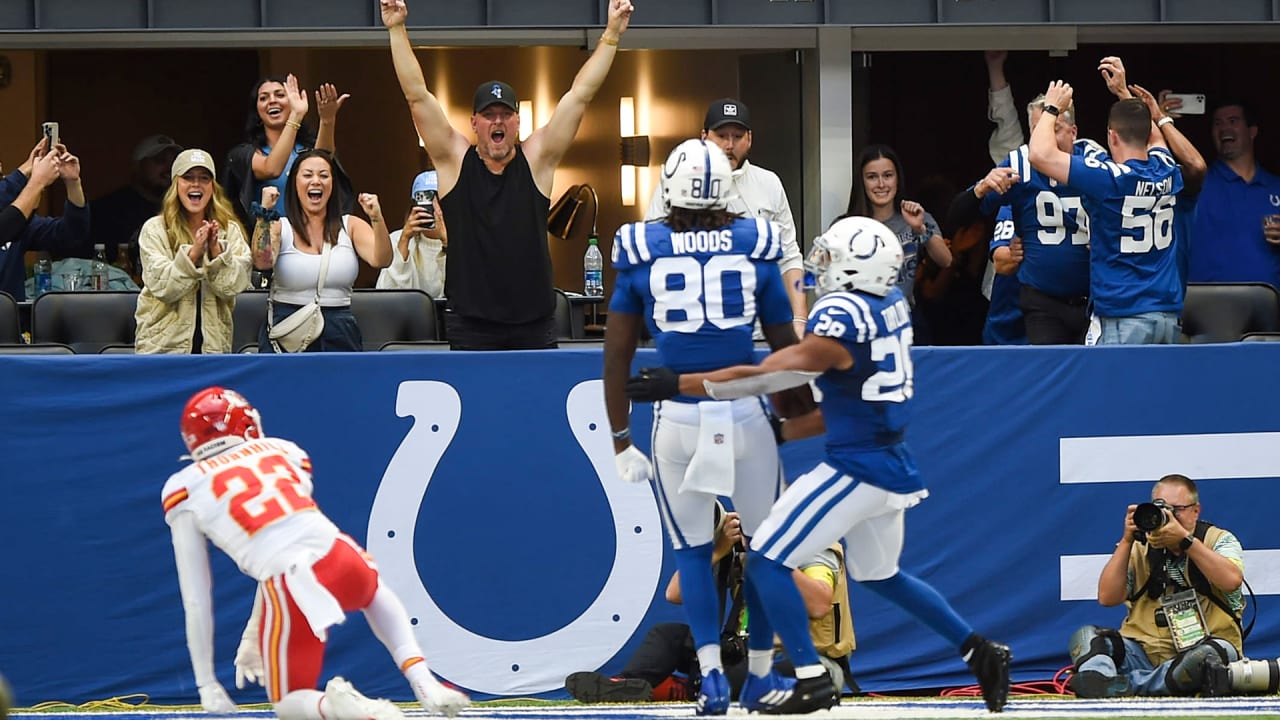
column 653, row 384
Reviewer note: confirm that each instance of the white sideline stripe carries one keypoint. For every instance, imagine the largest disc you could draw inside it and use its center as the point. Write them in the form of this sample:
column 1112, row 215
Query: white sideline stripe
column 1078, row 574
column 1144, row 458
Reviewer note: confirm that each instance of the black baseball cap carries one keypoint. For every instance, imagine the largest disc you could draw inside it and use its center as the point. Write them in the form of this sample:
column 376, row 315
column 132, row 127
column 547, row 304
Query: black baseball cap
column 725, row 111
column 495, row 92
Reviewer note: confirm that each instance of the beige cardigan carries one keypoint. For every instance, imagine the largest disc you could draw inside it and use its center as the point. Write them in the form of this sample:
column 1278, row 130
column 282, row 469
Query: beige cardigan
column 166, row 312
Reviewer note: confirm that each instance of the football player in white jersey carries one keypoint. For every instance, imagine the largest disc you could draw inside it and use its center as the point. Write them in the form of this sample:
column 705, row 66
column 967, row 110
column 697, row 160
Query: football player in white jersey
column 251, row 496
column 857, row 346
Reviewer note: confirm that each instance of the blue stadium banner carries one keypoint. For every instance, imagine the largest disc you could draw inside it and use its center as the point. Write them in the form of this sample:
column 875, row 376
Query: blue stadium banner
column 483, row 483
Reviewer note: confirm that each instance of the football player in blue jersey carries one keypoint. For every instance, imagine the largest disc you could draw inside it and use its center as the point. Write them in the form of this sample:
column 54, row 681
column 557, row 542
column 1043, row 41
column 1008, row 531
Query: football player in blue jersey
column 858, row 346
column 1131, row 200
column 1054, row 228
column 698, row 280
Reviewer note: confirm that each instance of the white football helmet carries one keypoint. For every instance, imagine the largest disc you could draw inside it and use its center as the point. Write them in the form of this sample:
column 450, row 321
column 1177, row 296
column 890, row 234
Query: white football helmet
column 696, row 176
column 856, row 253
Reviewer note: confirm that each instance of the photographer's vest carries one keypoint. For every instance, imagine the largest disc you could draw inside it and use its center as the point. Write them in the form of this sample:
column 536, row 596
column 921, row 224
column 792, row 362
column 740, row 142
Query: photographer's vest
column 1140, row 623
column 833, row 633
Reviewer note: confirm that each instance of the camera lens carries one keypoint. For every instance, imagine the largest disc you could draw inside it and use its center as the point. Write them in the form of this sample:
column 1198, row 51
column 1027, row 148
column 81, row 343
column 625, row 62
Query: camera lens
column 1148, row 517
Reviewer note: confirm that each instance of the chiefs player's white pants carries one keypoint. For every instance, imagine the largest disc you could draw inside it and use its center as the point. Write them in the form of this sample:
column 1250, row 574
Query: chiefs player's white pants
column 824, row 505
column 756, row 478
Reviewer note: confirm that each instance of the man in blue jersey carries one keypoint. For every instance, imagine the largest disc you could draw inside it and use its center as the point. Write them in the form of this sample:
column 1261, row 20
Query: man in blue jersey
column 698, row 280
column 1190, row 161
column 858, row 346
column 1131, row 199
column 1005, row 323
column 1054, row 227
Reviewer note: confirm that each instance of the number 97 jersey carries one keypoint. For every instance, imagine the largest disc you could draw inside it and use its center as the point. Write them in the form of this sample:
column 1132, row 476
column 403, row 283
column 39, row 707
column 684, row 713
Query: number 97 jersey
column 866, row 406
column 701, row 291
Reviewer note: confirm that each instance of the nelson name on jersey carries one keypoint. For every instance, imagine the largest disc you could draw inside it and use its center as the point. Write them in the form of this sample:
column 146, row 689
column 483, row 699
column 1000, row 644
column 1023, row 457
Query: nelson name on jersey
column 1154, row 189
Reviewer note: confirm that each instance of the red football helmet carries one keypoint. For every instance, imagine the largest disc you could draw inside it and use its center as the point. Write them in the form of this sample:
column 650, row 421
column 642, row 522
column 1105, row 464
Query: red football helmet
column 215, row 419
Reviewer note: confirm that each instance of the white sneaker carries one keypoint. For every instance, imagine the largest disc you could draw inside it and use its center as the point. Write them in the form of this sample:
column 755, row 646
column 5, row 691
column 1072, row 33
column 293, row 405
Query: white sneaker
column 439, row 698
column 346, row 703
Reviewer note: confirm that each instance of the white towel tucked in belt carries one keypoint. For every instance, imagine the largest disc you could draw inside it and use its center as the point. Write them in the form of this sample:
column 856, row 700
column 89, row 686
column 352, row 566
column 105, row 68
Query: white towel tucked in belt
column 315, row 601
column 711, row 469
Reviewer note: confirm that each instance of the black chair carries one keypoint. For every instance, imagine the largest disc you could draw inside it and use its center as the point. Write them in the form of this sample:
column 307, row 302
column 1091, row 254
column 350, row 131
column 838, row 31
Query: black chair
column 570, row 323
column 117, row 349
column 416, row 345
column 1262, row 337
column 1226, row 312
column 247, row 319
column 10, row 324
column 393, row 316
column 35, row 349
column 87, row 321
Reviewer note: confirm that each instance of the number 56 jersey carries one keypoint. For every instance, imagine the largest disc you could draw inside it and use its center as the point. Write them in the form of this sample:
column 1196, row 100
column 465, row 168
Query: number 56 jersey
column 866, row 407
column 253, row 501
column 701, row 291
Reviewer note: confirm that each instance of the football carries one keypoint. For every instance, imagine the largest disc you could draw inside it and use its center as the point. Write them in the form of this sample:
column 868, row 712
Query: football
column 793, row 402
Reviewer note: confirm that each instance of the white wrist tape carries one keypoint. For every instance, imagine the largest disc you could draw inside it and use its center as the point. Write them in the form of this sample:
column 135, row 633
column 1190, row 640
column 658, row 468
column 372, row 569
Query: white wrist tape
column 757, row 384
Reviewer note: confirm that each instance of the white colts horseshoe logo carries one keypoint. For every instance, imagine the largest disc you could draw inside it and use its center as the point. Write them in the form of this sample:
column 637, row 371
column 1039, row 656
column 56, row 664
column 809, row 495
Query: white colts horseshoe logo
column 514, row 667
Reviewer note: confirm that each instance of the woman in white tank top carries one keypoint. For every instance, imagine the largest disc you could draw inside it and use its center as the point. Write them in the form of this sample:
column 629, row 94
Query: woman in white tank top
column 292, row 246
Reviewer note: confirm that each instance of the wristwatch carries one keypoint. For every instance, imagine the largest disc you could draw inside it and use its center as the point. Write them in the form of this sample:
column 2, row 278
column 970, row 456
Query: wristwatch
column 1185, row 545
column 1052, row 110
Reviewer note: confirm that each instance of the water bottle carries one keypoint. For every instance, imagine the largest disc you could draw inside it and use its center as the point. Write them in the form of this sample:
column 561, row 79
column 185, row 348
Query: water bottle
column 593, row 269
column 98, row 277
column 43, row 274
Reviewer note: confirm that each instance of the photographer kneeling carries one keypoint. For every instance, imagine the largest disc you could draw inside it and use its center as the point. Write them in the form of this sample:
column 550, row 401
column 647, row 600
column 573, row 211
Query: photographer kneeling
column 1181, row 579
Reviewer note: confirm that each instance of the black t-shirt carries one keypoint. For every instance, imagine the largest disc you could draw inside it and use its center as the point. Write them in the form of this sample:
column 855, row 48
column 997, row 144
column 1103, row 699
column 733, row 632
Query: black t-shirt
column 498, row 267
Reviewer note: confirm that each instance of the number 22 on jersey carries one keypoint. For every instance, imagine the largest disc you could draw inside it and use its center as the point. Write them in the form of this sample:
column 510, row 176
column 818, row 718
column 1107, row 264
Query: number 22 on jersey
column 262, row 496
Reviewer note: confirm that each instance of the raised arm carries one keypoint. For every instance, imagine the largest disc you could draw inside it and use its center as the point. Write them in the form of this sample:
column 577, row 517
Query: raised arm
column 1000, row 108
column 1045, row 155
column 548, row 144
column 371, row 239
column 1184, row 151
column 328, row 103
column 444, row 143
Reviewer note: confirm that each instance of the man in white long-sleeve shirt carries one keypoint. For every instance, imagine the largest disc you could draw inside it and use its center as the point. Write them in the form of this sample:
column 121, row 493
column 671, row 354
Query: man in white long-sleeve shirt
column 756, row 192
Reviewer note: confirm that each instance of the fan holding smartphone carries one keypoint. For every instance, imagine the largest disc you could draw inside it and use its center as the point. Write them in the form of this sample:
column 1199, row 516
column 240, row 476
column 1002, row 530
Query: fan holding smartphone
column 419, row 258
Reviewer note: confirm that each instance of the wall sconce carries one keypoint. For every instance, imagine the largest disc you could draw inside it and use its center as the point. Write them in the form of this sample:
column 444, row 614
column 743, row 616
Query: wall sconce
column 634, row 149
column 563, row 216
column 526, row 119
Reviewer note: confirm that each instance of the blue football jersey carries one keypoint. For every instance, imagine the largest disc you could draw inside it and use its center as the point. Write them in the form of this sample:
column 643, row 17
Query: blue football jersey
column 866, row 407
column 1052, row 222
column 1004, row 324
column 701, row 291
column 1132, row 210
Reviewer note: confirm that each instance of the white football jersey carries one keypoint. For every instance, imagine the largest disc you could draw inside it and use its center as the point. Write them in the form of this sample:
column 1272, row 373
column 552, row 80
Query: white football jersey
column 253, row 501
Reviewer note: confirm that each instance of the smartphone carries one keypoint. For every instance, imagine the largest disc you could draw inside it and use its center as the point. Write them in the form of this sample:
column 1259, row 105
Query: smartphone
column 50, row 131
column 1192, row 103
column 425, row 199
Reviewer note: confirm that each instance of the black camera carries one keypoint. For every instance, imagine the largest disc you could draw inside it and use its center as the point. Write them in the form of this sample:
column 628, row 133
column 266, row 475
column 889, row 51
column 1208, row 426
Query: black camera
column 1149, row 516
column 733, row 648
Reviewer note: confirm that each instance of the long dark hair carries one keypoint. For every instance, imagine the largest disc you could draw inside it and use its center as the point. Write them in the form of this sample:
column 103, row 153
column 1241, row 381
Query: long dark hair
column 256, row 132
column 332, row 211
column 859, row 203
column 686, row 219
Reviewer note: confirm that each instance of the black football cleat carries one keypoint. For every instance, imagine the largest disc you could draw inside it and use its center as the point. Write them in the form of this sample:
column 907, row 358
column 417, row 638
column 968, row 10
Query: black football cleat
column 989, row 662
column 809, row 695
